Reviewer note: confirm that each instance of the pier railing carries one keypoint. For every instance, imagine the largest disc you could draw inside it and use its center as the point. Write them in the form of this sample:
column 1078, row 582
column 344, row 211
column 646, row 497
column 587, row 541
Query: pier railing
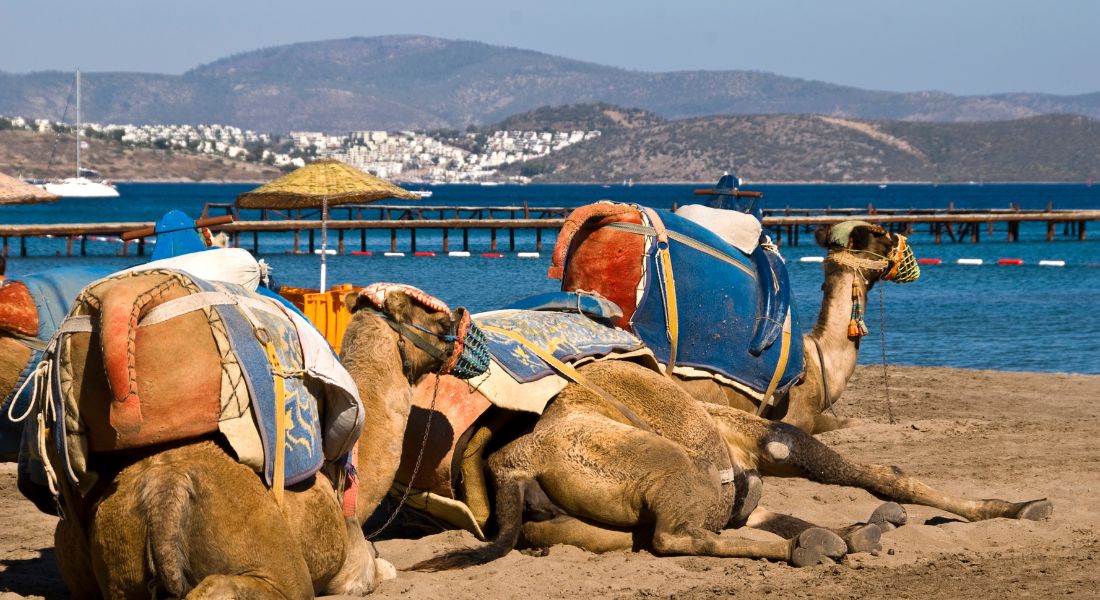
column 787, row 225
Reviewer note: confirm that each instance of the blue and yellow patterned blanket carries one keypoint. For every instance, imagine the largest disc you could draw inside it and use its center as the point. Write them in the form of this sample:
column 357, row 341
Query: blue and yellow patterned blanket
column 568, row 336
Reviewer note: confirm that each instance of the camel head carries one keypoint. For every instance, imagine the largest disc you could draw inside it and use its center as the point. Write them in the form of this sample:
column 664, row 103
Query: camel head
column 869, row 251
column 863, row 253
column 429, row 336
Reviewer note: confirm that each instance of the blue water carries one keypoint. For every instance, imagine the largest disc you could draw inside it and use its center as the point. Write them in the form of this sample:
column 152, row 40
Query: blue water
column 989, row 317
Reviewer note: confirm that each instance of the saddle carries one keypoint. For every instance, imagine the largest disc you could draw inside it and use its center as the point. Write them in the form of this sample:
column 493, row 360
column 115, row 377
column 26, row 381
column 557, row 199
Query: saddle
column 705, row 307
column 161, row 356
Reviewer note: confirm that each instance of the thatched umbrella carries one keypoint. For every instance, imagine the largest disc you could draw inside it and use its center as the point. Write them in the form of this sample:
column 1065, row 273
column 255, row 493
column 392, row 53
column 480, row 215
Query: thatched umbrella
column 320, row 184
column 15, row 191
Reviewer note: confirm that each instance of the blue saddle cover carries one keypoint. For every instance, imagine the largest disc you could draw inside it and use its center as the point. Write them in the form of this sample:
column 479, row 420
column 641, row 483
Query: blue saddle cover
column 727, row 320
column 591, row 305
column 304, row 454
column 569, row 336
column 53, row 292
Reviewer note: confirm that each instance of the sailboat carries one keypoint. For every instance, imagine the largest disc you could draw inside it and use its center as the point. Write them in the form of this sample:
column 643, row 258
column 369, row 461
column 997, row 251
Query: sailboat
column 80, row 186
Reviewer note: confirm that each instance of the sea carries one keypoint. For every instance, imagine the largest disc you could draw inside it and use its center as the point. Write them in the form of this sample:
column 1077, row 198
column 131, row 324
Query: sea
column 1005, row 317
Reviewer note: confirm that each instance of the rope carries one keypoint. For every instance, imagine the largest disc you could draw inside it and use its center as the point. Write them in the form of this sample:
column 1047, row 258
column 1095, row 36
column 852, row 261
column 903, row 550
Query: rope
column 882, row 335
column 416, row 467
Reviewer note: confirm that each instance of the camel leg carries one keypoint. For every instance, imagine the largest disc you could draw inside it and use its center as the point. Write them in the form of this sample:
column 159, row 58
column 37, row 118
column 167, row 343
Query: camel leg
column 860, row 537
column 565, row 529
column 610, row 473
column 824, row 422
column 787, row 451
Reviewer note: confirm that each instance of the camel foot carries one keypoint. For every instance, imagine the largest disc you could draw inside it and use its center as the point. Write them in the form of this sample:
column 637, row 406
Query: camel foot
column 747, row 502
column 816, row 545
column 864, row 539
column 889, row 516
column 1036, row 510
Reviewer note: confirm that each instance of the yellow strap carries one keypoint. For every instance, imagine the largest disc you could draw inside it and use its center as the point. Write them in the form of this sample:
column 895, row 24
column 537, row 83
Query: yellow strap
column 672, row 314
column 278, row 478
column 780, row 367
column 569, row 373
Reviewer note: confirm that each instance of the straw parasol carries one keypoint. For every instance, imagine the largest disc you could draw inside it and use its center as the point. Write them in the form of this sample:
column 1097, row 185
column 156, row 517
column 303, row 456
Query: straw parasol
column 318, row 185
column 15, row 191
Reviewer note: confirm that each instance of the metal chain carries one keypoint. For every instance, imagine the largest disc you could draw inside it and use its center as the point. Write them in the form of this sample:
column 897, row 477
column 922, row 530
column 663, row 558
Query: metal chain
column 882, row 335
column 416, row 467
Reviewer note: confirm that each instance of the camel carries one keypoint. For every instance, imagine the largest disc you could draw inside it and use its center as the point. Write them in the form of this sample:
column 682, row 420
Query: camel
column 630, row 460
column 600, row 258
column 629, row 450
column 185, row 518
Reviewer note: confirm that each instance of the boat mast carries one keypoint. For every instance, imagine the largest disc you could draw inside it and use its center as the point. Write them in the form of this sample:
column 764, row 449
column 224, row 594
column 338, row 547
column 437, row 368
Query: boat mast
column 78, row 122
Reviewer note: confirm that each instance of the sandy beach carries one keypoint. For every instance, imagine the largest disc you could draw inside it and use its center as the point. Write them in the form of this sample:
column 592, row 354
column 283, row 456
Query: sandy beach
column 982, row 434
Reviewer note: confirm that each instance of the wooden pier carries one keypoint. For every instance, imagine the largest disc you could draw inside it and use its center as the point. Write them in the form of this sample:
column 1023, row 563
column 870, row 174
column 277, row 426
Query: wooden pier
column 787, row 224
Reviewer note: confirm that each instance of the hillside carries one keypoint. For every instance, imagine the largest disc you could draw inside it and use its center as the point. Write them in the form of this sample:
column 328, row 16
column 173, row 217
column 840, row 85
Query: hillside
column 27, row 154
column 821, row 148
column 417, row 82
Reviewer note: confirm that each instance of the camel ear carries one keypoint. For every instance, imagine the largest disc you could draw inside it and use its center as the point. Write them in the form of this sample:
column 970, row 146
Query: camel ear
column 821, row 235
column 352, row 300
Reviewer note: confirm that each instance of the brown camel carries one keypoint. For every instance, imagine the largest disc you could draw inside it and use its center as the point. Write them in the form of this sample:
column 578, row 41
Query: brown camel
column 588, row 474
column 630, row 451
column 185, row 518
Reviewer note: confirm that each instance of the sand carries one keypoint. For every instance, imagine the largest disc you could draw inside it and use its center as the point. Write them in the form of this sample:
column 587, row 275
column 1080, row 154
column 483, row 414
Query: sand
column 983, row 434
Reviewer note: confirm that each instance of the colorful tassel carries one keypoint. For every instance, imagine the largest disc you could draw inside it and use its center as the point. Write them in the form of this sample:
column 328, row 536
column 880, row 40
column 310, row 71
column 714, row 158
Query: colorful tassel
column 856, row 327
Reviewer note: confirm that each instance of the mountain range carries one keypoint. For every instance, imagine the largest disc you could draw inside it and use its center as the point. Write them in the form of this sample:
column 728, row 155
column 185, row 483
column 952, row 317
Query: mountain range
column 640, row 146
column 417, row 82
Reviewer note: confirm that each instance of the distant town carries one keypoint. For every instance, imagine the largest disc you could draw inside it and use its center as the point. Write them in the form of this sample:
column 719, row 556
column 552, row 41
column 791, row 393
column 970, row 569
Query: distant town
column 443, row 156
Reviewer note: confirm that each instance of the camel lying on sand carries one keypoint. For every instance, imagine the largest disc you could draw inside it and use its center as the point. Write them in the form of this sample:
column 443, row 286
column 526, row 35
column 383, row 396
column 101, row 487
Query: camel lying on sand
column 630, row 451
column 186, row 518
column 630, row 460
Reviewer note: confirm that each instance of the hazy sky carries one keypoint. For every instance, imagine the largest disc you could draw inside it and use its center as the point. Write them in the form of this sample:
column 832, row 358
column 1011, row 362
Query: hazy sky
column 958, row 46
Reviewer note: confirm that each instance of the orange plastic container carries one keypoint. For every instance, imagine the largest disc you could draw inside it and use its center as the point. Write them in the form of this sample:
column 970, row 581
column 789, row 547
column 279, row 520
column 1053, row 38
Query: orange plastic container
column 325, row 310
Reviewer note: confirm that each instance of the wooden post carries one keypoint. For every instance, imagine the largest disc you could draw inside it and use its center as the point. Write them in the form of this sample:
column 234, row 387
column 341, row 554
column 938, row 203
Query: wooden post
column 465, row 239
column 311, row 241
column 255, row 242
column 339, row 241
column 991, row 228
column 1050, row 231
column 393, row 237
column 5, row 245
column 22, row 245
column 446, row 240
column 492, row 239
column 1013, row 231
column 412, row 238
column 125, row 248
column 69, row 246
column 538, row 239
column 975, row 233
column 938, row 231
column 295, row 241
column 141, row 247
column 1081, row 230
column 363, row 240
column 83, row 245
column 511, row 239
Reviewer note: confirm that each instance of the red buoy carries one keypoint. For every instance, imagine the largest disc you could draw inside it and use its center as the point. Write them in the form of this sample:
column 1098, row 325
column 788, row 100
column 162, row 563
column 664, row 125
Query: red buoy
column 423, row 253
column 929, row 261
column 492, row 255
column 1010, row 261
column 361, row 253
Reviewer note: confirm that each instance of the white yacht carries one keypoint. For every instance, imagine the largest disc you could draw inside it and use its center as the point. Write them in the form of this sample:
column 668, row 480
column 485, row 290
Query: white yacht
column 80, row 186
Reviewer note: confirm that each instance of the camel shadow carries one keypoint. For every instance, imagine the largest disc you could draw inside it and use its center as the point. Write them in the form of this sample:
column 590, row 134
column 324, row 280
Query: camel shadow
column 33, row 576
column 942, row 521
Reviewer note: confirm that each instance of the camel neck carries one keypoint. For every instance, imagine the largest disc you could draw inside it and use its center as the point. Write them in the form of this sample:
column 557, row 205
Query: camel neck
column 840, row 352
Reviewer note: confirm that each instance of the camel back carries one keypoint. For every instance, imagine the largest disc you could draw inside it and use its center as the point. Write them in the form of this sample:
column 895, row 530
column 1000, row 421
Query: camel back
column 694, row 299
